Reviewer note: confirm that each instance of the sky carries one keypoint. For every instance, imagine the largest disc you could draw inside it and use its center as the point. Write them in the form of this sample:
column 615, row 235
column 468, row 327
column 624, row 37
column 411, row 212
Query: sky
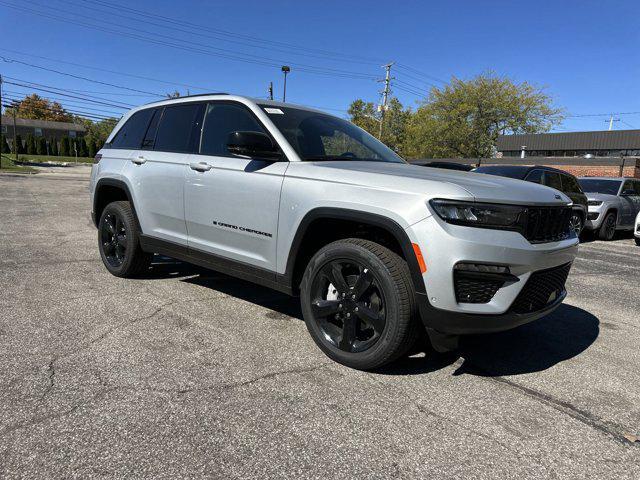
column 585, row 54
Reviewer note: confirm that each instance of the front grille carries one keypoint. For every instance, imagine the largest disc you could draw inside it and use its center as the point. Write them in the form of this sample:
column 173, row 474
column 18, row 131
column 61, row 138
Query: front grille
column 540, row 289
column 547, row 224
column 474, row 290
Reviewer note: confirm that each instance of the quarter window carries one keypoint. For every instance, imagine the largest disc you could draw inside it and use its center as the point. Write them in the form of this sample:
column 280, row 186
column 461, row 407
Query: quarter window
column 570, row 184
column 552, row 179
column 220, row 120
column 132, row 132
column 535, row 176
column 150, row 136
column 179, row 128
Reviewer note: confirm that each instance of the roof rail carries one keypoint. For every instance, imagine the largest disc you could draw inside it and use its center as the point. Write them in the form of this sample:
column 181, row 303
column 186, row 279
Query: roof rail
column 188, row 96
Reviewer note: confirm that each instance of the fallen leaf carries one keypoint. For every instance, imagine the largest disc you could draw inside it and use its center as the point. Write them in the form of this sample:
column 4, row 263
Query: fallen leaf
column 632, row 438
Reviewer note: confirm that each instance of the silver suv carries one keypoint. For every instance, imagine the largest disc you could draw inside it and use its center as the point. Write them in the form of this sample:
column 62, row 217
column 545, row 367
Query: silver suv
column 311, row 205
column 613, row 203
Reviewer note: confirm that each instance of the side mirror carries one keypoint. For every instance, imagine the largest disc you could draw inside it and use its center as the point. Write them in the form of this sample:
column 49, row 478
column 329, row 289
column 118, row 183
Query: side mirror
column 252, row 144
column 628, row 193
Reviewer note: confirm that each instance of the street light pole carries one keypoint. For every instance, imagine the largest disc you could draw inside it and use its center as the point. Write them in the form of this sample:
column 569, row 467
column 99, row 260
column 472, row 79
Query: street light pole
column 285, row 69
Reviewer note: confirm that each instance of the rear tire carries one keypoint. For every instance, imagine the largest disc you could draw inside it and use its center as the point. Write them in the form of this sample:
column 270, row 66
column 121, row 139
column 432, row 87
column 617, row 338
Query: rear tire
column 608, row 228
column 119, row 241
column 358, row 303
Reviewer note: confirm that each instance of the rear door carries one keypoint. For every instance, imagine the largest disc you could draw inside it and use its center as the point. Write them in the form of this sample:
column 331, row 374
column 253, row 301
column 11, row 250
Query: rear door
column 627, row 201
column 158, row 168
column 232, row 202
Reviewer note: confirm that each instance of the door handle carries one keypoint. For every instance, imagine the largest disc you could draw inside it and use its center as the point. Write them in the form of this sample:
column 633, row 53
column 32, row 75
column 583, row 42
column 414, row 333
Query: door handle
column 139, row 160
column 200, row 166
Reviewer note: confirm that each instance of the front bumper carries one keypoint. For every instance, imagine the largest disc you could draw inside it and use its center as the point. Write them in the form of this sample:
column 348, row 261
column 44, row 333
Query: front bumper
column 444, row 245
column 595, row 215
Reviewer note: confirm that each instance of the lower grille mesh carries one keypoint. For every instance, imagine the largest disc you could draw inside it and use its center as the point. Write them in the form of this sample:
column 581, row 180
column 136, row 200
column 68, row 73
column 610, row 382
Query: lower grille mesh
column 540, row 287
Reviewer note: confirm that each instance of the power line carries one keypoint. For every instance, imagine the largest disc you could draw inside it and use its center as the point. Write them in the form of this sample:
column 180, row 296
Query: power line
column 66, row 102
column 190, row 46
column 79, row 114
column 11, row 60
column 39, row 87
column 225, row 34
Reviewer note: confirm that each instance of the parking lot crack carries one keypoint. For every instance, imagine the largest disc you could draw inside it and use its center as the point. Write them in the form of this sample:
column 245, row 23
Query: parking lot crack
column 581, row 415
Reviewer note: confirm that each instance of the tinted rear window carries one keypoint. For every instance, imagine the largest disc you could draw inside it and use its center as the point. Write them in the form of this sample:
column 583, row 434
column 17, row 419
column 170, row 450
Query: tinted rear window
column 511, row 172
column 132, row 132
column 179, row 128
column 596, row 185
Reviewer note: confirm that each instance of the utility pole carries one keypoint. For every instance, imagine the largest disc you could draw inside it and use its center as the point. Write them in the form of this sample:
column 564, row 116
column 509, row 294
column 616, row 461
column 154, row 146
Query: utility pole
column 611, row 120
column 270, row 90
column 15, row 138
column 385, row 96
column 285, row 69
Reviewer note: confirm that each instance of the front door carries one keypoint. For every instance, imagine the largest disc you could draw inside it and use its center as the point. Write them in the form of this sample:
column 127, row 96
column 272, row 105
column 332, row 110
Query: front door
column 232, row 202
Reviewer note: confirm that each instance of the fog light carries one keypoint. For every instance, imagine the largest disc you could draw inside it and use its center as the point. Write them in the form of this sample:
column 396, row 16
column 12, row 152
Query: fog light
column 481, row 268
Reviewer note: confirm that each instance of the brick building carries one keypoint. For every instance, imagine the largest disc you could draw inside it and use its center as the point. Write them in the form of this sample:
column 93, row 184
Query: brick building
column 40, row 128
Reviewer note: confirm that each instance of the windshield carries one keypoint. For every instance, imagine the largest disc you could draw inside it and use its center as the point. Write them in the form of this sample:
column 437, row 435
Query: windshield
column 596, row 185
column 317, row 136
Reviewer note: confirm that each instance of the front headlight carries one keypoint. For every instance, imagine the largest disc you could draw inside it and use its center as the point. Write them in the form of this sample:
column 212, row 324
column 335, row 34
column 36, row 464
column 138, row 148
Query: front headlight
column 486, row 215
column 594, row 203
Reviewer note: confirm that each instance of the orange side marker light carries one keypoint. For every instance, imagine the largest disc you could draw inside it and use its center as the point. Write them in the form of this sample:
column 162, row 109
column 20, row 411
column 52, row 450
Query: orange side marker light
column 419, row 257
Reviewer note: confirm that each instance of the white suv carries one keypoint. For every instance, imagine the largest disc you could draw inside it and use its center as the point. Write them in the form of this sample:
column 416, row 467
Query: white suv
column 311, row 205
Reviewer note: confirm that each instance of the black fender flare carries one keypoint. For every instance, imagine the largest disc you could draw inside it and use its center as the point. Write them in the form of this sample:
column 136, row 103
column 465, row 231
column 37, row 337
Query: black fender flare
column 112, row 182
column 358, row 216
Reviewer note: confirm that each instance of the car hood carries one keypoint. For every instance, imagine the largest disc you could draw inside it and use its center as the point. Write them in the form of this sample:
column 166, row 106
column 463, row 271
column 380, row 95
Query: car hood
column 427, row 180
column 601, row 197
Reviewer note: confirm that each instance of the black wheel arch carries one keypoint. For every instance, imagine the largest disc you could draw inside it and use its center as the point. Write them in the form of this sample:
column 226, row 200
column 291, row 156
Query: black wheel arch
column 110, row 190
column 381, row 222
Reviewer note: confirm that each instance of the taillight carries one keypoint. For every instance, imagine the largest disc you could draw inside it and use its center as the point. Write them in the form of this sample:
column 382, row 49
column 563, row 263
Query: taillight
column 97, row 158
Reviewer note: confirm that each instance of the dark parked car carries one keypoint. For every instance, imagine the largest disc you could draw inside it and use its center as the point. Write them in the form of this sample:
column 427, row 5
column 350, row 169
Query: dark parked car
column 446, row 165
column 550, row 177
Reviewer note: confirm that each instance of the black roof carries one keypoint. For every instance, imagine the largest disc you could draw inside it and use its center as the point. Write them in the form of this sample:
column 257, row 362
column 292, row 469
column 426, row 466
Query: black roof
column 515, row 171
column 600, row 140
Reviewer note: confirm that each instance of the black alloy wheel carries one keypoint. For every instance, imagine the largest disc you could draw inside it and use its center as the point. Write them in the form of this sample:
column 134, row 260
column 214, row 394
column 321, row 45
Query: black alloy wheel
column 119, row 241
column 113, row 236
column 608, row 228
column 358, row 303
column 576, row 223
column 348, row 305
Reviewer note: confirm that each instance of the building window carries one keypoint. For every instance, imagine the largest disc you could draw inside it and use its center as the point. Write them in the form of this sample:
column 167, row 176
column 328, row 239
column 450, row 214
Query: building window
column 4, row 129
column 72, row 134
column 37, row 131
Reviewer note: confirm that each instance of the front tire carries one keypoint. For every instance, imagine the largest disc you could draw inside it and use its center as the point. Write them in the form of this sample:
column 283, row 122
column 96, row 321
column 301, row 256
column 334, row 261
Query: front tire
column 608, row 228
column 119, row 242
column 637, row 241
column 577, row 223
column 358, row 303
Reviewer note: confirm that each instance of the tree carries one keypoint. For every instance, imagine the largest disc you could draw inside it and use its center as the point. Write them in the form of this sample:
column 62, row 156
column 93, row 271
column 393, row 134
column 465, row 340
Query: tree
column 41, row 146
column 65, row 147
column 464, row 118
column 365, row 115
column 5, row 145
column 19, row 146
column 98, row 131
column 93, row 149
column 31, row 145
column 174, row 94
column 82, row 147
column 35, row 107
column 53, row 147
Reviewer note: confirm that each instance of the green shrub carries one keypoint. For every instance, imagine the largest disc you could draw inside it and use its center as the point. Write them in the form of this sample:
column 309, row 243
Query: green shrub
column 93, row 149
column 31, row 145
column 53, row 147
column 19, row 145
column 41, row 146
column 5, row 145
column 65, row 147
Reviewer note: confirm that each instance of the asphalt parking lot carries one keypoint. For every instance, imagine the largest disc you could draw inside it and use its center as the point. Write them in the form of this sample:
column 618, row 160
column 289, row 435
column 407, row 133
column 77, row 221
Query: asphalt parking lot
column 192, row 373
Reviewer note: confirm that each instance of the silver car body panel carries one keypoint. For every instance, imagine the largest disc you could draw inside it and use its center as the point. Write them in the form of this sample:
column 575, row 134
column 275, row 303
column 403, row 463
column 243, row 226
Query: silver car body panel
column 252, row 215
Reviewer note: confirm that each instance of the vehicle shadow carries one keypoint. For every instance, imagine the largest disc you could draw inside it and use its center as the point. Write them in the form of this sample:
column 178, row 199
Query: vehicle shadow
column 534, row 347
column 164, row 267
